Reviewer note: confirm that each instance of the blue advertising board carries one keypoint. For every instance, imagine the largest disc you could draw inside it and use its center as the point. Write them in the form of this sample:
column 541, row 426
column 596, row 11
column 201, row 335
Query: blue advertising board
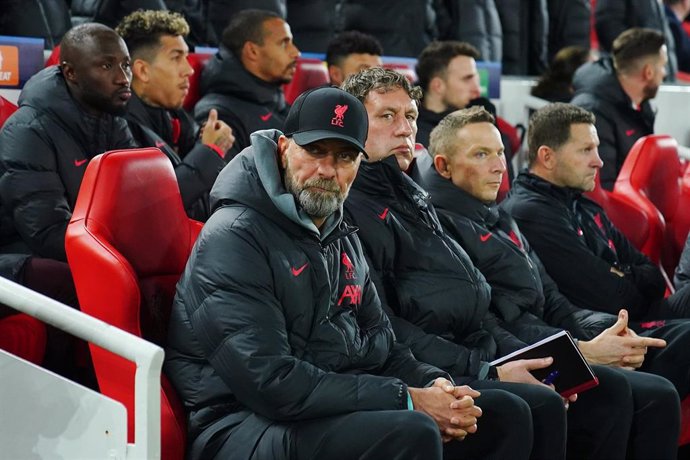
column 20, row 58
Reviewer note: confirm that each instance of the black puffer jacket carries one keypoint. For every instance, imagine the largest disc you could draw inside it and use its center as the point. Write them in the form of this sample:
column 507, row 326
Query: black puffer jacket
column 196, row 165
column 273, row 321
column 243, row 101
column 523, row 295
column 403, row 28
column 618, row 124
column 569, row 24
column 48, row 19
column 310, row 35
column 435, row 297
column 44, row 149
column 473, row 21
column 525, row 25
column 109, row 12
column 578, row 245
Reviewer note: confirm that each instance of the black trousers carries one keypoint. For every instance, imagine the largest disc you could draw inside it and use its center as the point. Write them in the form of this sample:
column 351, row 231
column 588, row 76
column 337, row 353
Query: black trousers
column 504, row 431
column 677, row 305
column 549, row 424
column 629, row 411
column 673, row 361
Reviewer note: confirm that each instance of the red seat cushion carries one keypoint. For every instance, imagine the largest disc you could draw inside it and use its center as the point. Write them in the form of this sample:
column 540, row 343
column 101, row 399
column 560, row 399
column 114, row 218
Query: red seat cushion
column 23, row 336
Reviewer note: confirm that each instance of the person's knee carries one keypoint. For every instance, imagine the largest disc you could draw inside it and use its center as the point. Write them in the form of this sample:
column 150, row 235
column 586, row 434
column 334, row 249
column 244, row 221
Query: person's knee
column 549, row 405
column 659, row 398
column 413, row 430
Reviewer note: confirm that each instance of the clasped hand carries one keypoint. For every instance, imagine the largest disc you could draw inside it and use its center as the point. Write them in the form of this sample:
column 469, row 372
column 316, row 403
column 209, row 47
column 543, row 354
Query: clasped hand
column 451, row 407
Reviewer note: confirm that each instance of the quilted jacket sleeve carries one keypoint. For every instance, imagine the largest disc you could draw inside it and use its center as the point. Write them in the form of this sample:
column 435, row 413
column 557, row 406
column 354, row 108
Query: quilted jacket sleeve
column 30, row 187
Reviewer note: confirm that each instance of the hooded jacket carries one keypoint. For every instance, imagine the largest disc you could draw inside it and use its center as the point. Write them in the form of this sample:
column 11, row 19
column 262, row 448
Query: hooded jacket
column 245, row 102
column 618, row 123
column 523, row 295
column 196, row 165
column 276, row 321
column 436, row 299
column 44, row 149
column 578, row 245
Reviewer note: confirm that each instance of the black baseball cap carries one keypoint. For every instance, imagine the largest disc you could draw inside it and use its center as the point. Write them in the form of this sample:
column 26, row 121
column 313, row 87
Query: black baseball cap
column 327, row 113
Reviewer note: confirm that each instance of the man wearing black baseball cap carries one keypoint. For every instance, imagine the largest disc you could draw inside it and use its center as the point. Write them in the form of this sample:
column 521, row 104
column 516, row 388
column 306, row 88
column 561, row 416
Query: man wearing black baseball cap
column 277, row 344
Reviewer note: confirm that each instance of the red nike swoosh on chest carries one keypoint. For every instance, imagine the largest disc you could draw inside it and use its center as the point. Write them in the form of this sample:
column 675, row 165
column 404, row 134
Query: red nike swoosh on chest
column 160, row 144
column 629, row 132
column 266, row 117
column 484, row 238
column 79, row 163
column 383, row 215
column 298, row 271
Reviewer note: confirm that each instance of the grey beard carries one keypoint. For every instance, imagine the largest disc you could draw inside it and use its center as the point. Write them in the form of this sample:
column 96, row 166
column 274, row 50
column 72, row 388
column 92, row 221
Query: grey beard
column 316, row 204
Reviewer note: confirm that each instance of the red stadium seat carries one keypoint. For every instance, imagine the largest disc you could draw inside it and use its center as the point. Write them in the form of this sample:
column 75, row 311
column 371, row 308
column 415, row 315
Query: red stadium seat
column 512, row 132
column 197, row 61
column 650, row 177
column 23, row 336
column 310, row 73
column 54, row 57
column 6, row 109
column 127, row 245
column 629, row 219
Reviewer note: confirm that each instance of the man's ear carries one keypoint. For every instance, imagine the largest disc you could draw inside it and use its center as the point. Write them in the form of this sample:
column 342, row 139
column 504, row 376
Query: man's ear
column 335, row 73
column 68, row 71
column 648, row 71
column 437, row 85
column 141, row 70
column 546, row 157
column 442, row 166
column 250, row 51
column 282, row 151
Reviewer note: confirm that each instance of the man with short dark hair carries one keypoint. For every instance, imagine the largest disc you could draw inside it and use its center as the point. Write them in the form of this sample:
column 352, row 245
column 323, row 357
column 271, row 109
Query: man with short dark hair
column 349, row 52
column 160, row 82
column 617, row 90
column 613, row 17
column 243, row 80
column 568, row 230
column 447, row 73
column 278, row 344
column 463, row 173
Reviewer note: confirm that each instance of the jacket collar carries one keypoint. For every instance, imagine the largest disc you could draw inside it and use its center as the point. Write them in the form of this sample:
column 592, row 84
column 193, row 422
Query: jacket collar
column 225, row 74
column 383, row 180
column 533, row 182
column 445, row 195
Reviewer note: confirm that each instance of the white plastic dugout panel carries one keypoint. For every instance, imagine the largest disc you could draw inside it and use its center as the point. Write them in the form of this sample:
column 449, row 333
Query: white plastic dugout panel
column 44, row 416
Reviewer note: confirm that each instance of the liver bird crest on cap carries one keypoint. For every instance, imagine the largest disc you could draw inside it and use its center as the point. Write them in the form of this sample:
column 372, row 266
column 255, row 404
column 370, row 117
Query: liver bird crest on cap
column 339, row 111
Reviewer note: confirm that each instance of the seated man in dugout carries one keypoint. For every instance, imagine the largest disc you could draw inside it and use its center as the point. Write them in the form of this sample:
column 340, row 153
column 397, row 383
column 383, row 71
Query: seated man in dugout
column 67, row 115
column 160, row 82
column 437, row 300
column 283, row 350
column 462, row 173
column 566, row 229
